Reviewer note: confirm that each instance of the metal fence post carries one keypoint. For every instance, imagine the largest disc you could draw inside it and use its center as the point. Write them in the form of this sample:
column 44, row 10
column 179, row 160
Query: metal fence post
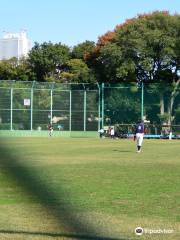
column 32, row 92
column 11, row 111
column 142, row 100
column 99, row 107
column 84, row 110
column 102, row 109
column 70, row 110
column 51, row 104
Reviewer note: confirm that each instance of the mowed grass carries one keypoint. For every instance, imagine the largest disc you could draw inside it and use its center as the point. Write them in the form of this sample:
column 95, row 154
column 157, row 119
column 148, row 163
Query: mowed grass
column 103, row 182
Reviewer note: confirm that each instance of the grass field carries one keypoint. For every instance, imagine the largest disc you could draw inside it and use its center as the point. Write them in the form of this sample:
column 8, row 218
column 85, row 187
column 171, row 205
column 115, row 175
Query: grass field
column 55, row 188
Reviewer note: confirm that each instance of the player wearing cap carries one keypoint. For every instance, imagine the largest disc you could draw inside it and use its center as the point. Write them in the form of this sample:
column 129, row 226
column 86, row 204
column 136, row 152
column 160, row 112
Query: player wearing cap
column 139, row 134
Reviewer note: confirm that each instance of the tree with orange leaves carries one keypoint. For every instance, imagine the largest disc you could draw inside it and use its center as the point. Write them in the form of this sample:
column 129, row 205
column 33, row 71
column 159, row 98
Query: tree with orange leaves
column 143, row 49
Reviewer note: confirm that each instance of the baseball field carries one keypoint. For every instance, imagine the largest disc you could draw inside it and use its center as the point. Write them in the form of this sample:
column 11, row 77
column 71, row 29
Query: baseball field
column 79, row 188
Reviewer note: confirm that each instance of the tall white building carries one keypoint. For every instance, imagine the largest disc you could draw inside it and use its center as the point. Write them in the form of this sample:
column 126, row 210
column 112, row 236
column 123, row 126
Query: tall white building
column 14, row 45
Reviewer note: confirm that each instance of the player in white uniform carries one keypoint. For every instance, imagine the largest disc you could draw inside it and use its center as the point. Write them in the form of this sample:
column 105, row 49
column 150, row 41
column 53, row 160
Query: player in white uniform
column 139, row 134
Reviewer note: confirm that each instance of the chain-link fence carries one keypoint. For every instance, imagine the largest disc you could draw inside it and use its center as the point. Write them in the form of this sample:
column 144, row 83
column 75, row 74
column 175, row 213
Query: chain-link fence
column 32, row 105
column 86, row 107
column 125, row 103
column 158, row 104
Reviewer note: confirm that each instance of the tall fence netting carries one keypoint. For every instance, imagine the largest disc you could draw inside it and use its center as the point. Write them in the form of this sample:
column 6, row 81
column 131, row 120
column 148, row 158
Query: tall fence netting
column 31, row 106
column 88, row 107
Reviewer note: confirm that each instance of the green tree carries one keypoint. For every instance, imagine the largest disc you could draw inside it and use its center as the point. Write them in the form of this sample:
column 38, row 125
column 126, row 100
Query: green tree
column 14, row 69
column 8, row 69
column 147, row 49
column 47, row 60
column 81, row 50
column 108, row 61
column 77, row 71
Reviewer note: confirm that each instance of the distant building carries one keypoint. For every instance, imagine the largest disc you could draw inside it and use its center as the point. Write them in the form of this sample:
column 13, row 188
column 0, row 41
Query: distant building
column 14, row 45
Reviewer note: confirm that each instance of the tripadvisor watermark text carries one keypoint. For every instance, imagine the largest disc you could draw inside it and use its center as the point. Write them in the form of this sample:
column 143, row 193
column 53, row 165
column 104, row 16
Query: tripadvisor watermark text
column 140, row 231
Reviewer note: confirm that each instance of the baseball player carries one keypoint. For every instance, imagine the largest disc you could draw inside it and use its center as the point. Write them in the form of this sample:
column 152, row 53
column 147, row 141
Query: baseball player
column 139, row 134
column 50, row 127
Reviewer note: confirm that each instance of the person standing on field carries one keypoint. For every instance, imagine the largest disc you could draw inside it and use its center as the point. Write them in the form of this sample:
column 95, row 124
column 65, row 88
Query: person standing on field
column 50, row 127
column 139, row 135
column 112, row 132
column 101, row 132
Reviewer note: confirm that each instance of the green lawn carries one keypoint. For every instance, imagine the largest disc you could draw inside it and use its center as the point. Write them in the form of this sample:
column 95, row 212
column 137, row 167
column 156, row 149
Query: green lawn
column 56, row 188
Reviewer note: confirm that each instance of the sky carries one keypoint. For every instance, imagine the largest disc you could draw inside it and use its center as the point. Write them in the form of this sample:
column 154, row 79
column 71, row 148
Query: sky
column 71, row 22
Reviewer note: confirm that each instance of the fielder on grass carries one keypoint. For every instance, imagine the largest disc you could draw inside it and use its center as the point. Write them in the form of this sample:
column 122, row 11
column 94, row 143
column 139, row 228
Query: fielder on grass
column 139, row 135
column 50, row 128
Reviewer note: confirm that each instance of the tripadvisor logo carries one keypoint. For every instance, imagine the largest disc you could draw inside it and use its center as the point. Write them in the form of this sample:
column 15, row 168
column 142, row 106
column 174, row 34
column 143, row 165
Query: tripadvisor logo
column 139, row 231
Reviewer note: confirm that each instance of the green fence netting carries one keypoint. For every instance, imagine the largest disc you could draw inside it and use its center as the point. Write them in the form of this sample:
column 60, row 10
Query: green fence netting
column 87, row 107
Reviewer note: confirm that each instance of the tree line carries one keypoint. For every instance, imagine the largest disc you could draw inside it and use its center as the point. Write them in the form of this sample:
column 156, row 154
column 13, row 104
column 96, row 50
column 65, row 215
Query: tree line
column 142, row 49
column 145, row 48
